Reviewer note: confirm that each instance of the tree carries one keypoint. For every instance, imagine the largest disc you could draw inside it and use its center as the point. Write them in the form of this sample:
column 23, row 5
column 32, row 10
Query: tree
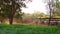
column 54, row 8
column 11, row 8
column 50, row 4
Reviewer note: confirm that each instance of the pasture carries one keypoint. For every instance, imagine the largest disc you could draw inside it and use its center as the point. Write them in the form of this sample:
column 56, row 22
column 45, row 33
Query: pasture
column 28, row 29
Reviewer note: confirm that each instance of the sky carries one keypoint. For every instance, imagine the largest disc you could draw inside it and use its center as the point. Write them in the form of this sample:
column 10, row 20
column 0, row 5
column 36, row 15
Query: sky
column 35, row 5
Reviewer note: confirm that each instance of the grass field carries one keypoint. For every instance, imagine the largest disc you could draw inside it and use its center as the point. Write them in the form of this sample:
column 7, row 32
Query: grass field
column 30, row 29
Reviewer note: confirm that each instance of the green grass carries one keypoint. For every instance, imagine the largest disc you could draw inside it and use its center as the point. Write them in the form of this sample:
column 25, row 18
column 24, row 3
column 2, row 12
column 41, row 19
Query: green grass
column 24, row 29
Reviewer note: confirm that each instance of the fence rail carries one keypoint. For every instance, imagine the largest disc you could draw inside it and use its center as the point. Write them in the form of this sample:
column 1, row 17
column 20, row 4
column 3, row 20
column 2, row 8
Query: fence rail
column 53, row 21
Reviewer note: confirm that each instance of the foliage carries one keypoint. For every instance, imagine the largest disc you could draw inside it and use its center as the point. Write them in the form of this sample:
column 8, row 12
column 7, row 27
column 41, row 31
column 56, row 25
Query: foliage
column 19, row 15
column 56, row 9
column 39, row 15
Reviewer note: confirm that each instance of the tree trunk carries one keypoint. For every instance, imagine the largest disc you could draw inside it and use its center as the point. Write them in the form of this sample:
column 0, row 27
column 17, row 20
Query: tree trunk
column 1, row 21
column 11, row 20
column 12, row 13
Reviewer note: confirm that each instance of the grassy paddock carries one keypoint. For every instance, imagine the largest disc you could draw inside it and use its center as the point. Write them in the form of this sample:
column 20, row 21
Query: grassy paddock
column 30, row 29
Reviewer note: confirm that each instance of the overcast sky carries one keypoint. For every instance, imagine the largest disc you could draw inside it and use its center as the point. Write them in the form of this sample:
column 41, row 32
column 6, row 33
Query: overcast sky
column 35, row 5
